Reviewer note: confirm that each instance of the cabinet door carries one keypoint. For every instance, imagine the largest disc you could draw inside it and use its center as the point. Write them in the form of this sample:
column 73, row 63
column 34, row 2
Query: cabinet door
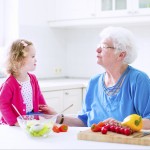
column 113, row 8
column 123, row 7
column 72, row 9
column 73, row 96
column 142, row 7
column 54, row 99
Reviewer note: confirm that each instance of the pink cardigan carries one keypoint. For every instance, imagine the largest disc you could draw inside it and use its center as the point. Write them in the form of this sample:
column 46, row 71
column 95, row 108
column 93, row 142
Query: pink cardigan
column 10, row 93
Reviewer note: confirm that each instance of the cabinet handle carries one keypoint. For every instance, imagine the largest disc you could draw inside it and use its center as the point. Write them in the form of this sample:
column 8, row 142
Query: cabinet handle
column 93, row 14
column 66, row 93
column 133, row 12
column 130, row 12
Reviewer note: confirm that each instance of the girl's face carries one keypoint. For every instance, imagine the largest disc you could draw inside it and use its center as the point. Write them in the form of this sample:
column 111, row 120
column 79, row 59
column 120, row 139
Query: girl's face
column 30, row 60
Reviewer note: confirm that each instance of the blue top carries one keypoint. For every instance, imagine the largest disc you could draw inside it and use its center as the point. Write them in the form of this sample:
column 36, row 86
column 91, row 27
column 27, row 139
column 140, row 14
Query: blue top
column 133, row 97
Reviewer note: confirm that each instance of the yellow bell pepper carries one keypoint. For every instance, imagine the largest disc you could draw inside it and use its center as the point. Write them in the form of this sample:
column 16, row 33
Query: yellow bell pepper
column 133, row 121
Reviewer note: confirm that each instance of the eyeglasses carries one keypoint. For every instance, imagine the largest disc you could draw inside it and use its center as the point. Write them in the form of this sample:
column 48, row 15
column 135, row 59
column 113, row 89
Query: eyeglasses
column 105, row 46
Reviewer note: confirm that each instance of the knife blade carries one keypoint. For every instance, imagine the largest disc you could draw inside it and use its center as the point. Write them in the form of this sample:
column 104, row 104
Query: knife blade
column 142, row 134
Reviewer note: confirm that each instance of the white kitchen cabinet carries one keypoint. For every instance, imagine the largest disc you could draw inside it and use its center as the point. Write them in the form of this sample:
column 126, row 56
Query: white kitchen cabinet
column 54, row 99
column 61, row 99
column 99, row 12
column 129, row 8
column 72, row 96
column 72, row 9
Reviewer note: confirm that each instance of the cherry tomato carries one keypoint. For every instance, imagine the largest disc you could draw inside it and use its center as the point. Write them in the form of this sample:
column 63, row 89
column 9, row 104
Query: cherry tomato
column 122, row 130
column 127, row 131
column 107, row 126
column 104, row 130
column 95, row 128
column 101, row 124
column 63, row 128
column 112, row 128
column 117, row 129
column 55, row 129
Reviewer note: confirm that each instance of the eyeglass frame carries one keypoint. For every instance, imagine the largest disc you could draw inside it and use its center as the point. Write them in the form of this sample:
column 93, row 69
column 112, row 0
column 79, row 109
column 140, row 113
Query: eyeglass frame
column 106, row 46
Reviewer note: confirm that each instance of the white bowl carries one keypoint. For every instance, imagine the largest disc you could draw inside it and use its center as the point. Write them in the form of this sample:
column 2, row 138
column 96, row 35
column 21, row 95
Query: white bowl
column 37, row 125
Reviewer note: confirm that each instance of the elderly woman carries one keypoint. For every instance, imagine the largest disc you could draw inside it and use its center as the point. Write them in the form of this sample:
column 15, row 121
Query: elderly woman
column 121, row 90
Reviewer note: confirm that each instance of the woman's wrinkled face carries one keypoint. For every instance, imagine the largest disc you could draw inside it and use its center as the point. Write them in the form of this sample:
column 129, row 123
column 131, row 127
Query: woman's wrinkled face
column 30, row 60
column 106, row 55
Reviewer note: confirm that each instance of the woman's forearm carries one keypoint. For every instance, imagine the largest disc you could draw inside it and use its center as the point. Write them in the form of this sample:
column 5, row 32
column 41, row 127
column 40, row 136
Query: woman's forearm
column 146, row 124
column 71, row 121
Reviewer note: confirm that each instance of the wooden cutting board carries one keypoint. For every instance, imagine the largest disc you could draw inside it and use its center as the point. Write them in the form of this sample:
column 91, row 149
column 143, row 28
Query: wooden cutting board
column 114, row 137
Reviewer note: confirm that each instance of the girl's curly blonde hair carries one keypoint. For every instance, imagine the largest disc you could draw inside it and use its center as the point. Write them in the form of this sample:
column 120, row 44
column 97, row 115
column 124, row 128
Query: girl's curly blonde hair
column 17, row 54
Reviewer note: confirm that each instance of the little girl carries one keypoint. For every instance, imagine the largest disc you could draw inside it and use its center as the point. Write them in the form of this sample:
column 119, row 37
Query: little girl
column 21, row 90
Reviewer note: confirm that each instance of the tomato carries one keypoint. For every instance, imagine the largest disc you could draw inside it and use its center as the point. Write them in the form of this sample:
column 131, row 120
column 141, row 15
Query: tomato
column 101, row 124
column 122, row 130
column 100, row 128
column 117, row 129
column 107, row 126
column 112, row 128
column 63, row 128
column 95, row 128
column 127, row 131
column 55, row 129
column 104, row 130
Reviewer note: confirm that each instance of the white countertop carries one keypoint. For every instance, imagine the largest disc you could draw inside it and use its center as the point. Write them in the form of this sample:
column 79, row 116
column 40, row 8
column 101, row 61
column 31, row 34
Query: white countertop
column 64, row 83
column 12, row 137
column 59, row 84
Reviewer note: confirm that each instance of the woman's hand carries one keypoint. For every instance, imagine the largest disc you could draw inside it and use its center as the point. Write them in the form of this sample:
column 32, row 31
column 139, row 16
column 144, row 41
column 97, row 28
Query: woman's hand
column 47, row 110
column 111, row 121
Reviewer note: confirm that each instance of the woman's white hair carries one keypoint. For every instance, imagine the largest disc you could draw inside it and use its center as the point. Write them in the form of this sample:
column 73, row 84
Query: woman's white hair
column 123, row 40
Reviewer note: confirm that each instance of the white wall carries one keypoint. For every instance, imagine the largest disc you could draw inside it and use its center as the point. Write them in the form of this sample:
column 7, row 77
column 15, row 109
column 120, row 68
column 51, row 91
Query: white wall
column 69, row 52
column 1, row 24
column 50, row 44
column 81, row 50
column 143, row 38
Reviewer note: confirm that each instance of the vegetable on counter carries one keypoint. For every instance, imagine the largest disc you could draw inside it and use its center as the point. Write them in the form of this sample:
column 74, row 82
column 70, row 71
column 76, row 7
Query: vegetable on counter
column 130, row 124
column 55, row 129
column 112, row 127
column 61, row 128
column 37, row 128
column 97, row 127
column 133, row 121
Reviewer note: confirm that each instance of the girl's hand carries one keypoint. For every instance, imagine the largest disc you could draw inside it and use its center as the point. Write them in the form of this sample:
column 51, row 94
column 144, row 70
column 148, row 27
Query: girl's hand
column 47, row 110
column 17, row 124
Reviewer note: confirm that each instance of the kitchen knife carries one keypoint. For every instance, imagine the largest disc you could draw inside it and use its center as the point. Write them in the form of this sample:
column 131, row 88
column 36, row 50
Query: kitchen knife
column 142, row 134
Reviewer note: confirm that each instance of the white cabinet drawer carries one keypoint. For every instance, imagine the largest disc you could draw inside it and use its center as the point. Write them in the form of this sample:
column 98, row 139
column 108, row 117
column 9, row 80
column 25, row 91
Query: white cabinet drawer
column 61, row 99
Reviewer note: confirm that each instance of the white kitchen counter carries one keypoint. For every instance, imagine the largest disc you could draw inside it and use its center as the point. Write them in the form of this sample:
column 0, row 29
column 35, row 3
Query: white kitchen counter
column 61, row 84
column 12, row 137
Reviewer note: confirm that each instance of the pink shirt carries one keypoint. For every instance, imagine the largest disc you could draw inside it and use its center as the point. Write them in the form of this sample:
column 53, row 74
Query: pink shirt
column 10, row 93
